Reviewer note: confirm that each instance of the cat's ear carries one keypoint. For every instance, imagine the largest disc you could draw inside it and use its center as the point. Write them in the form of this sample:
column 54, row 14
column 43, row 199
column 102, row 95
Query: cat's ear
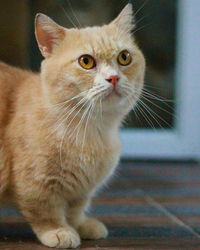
column 48, row 34
column 125, row 20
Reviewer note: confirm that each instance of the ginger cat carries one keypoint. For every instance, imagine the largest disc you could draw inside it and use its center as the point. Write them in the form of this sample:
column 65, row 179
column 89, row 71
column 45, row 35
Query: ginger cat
column 59, row 129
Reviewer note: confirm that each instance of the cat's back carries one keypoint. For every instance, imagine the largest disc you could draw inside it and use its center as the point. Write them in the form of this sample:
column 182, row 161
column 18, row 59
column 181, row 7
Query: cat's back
column 11, row 78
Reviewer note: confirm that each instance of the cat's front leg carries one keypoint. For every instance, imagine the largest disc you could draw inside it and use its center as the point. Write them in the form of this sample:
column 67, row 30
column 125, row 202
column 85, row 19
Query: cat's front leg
column 49, row 224
column 88, row 227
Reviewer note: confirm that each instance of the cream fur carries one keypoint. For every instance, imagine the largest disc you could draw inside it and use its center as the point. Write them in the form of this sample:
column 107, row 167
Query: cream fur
column 50, row 167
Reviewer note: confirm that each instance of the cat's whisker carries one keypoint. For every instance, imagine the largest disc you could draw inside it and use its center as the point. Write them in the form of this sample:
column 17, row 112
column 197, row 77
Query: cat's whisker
column 147, row 119
column 98, row 88
column 86, row 124
column 136, row 114
column 70, row 6
column 138, row 21
column 148, row 96
column 66, row 130
column 148, row 85
column 76, row 114
column 67, row 115
column 141, row 7
column 64, row 109
column 101, row 110
column 140, row 28
column 150, row 111
column 156, row 96
column 80, row 122
column 58, row 107
column 68, row 17
column 153, row 114
column 78, row 127
column 67, row 101
column 130, row 90
column 95, row 94
column 166, row 111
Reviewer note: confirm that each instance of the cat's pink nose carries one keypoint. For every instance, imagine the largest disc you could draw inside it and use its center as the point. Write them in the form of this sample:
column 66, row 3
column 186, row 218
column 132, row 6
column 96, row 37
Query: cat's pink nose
column 113, row 79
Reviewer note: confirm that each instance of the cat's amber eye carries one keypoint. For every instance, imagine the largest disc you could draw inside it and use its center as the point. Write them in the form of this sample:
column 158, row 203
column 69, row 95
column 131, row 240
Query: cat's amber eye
column 124, row 58
column 87, row 62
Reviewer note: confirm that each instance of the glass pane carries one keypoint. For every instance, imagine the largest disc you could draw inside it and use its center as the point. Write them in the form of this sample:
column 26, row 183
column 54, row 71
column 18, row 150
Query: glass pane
column 155, row 35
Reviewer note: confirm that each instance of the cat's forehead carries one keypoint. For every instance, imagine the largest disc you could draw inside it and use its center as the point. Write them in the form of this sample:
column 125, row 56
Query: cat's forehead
column 102, row 42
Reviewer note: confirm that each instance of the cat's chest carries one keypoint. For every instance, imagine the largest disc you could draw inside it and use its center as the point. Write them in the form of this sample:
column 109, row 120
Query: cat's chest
column 81, row 171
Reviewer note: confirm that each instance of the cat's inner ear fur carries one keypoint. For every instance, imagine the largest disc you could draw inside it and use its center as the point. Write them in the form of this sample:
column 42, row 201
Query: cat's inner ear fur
column 48, row 34
column 125, row 20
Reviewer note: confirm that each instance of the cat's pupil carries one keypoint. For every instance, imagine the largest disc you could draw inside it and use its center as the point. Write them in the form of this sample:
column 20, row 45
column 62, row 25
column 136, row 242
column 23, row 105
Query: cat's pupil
column 124, row 57
column 86, row 60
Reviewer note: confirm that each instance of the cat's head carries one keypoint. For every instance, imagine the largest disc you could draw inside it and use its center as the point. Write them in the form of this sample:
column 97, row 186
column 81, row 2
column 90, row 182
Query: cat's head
column 100, row 65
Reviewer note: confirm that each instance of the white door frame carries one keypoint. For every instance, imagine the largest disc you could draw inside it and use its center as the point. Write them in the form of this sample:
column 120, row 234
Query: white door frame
column 183, row 141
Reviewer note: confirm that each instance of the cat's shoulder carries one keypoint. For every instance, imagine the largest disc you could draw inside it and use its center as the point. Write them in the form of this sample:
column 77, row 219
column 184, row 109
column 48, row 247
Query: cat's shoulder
column 7, row 71
column 11, row 76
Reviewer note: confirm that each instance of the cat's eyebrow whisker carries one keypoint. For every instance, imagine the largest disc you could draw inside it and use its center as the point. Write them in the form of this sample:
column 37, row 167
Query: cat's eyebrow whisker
column 138, row 21
column 140, row 28
column 141, row 7
column 70, row 6
column 69, row 18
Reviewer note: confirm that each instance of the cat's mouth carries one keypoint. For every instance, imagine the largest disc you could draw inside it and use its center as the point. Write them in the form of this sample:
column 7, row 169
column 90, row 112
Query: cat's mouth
column 113, row 93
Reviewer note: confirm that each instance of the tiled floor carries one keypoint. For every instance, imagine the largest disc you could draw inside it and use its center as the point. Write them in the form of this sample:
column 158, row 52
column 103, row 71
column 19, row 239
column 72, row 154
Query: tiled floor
column 148, row 205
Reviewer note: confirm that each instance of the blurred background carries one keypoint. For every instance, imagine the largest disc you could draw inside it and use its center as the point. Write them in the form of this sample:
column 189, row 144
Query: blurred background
column 157, row 28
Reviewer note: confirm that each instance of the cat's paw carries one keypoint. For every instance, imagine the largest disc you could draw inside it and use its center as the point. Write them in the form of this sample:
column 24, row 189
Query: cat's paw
column 92, row 229
column 60, row 238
